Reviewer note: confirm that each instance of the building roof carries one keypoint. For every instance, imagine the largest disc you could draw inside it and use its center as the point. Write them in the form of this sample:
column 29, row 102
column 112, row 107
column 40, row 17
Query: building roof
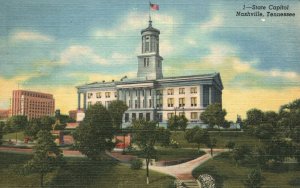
column 150, row 28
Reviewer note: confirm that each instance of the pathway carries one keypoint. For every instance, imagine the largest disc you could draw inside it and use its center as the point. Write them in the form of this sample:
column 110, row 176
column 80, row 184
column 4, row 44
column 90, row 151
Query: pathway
column 183, row 171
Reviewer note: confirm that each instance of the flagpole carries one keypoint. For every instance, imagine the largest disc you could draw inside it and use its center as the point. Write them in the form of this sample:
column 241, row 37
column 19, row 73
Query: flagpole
column 149, row 11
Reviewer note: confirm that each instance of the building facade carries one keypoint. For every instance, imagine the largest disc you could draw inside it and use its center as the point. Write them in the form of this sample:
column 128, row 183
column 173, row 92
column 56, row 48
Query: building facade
column 32, row 104
column 152, row 96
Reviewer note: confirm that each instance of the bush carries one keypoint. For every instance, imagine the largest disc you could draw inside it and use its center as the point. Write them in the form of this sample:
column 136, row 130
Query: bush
column 136, row 164
column 211, row 170
column 174, row 144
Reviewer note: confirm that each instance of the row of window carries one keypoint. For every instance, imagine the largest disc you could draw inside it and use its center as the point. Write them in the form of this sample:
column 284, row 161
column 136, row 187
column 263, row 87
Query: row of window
column 194, row 115
column 99, row 95
column 140, row 116
column 181, row 102
column 29, row 94
column 182, row 91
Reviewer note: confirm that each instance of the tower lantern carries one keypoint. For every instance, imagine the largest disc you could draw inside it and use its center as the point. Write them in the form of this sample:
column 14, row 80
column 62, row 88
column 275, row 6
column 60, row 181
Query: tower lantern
column 149, row 61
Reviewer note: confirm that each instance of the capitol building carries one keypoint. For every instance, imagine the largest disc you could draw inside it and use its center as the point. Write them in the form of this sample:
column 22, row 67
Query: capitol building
column 151, row 95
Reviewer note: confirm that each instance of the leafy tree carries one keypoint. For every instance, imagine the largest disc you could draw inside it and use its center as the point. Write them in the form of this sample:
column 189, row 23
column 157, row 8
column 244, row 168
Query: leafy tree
column 17, row 123
column 177, row 122
column 254, row 179
column 35, row 125
column 2, row 125
column 279, row 148
column 230, row 145
column 94, row 134
column 254, row 117
column 66, row 119
column 241, row 153
column 264, row 131
column 214, row 115
column 145, row 135
column 197, row 135
column 211, row 143
column 271, row 117
column 116, row 110
column 46, row 158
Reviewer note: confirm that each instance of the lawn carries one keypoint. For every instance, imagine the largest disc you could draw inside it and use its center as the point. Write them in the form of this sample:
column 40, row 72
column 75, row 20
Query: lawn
column 12, row 136
column 80, row 172
column 222, row 139
column 234, row 175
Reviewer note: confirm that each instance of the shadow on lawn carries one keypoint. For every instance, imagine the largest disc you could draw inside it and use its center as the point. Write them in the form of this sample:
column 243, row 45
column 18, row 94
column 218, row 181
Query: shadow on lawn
column 81, row 172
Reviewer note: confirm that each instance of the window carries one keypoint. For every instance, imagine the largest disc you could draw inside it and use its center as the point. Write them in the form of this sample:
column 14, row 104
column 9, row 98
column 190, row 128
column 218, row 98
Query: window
column 140, row 116
column 170, row 91
column 107, row 94
column 130, row 105
column 181, row 102
column 181, row 91
column 170, row 102
column 159, row 103
column 205, row 95
column 193, row 101
column 90, row 95
column 194, row 115
column 146, row 62
column 181, row 113
column 135, row 103
column 133, row 116
column 126, row 117
column 150, row 103
column 170, row 115
column 147, row 116
column 193, row 90
column 98, row 94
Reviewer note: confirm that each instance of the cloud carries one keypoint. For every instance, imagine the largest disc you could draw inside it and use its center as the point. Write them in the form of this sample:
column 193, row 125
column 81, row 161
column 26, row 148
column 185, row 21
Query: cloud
column 82, row 55
column 212, row 24
column 133, row 22
column 30, row 36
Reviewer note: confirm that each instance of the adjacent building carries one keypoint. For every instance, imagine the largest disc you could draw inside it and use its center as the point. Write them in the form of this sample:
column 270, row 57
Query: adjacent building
column 151, row 95
column 32, row 104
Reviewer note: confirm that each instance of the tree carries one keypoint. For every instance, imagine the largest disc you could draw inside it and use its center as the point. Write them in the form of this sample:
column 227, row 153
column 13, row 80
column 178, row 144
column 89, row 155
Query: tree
column 264, row 131
column 177, row 122
column 94, row 134
column 35, row 125
column 197, row 135
column 2, row 125
column 47, row 156
column 230, row 145
column 254, row 117
column 241, row 153
column 254, row 179
column 211, row 143
column 116, row 110
column 271, row 117
column 18, row 123
column 145, row 135
column 279, row 148
column 214, row 115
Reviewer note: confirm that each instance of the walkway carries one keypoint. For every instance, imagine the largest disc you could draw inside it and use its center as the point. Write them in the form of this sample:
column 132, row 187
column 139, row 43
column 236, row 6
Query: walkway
column 183, row 171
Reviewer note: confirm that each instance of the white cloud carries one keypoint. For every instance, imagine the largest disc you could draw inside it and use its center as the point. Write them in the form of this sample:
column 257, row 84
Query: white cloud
column 31, row 36
column 82, row 54
column 284, row 74
column 211, row 25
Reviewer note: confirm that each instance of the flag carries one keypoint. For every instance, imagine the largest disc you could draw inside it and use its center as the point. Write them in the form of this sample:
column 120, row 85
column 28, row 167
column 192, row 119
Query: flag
column 154, row 6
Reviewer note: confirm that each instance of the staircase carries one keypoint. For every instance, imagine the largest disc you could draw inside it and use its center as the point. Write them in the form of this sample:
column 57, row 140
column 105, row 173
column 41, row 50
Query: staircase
column 191, row 183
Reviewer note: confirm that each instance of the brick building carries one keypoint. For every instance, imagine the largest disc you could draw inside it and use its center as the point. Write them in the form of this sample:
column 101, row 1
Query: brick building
column 32, row 104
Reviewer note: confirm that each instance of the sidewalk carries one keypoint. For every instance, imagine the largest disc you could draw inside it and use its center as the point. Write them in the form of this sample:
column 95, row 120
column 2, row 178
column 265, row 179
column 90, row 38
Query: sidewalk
column 183, row 171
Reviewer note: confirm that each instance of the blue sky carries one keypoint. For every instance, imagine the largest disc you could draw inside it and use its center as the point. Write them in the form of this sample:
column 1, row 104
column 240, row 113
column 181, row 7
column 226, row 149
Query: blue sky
column 55, row 45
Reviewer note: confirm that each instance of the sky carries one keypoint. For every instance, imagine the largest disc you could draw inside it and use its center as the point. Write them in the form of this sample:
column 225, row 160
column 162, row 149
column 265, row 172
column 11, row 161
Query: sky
column 54, row 46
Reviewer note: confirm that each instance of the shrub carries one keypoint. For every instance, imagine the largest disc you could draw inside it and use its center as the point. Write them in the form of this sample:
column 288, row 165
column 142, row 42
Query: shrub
column 136, row 164
column 174, row 144
column 211, row 170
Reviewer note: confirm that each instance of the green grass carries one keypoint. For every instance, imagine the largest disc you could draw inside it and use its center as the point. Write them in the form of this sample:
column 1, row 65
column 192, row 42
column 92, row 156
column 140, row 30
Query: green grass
column 12, row 136
column 164, row 153
column 234, row 175
column 222, row 139
column 79, row 172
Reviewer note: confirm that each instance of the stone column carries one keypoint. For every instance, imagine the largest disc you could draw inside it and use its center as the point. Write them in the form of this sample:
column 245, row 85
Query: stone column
column 84, row 101
column 131, row 98
column 79, row 100
column 201, row 96
column 145, row 98
column 139, row 98
column 210, row 95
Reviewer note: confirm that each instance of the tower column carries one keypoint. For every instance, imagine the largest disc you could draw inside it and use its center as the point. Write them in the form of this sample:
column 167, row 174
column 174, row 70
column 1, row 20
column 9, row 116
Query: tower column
column 79, row 100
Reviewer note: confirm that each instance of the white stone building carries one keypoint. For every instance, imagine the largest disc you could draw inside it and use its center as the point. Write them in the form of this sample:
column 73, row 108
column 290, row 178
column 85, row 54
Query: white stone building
column 152, row 96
